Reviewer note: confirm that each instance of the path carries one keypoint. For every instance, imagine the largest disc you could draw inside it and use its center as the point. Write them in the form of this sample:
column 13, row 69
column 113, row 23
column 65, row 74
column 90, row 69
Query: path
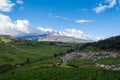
column 15, row 47
column 67, row 57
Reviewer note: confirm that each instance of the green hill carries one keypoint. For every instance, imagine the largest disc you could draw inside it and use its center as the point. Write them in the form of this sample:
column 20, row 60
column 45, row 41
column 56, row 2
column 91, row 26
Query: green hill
column 32, row 60
column 109, row 44
column 16, row 51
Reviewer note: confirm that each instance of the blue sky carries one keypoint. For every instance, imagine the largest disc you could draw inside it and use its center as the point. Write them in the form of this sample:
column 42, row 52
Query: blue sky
column 93, row 17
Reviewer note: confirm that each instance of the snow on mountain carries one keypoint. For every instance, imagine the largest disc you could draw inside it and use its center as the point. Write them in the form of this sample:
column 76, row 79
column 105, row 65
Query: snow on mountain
column 68, row 33
column 22, row 28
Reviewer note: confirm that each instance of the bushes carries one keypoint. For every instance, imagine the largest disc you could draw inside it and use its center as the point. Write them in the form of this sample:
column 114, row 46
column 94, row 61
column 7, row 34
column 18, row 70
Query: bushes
column 5, row 67
column 27, row 61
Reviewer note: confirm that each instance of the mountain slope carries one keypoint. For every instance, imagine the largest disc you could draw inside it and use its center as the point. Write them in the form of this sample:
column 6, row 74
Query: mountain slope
column 63, row 39
column 112, row 43
column 33, row 60
column 55, row 36
column 13, row 51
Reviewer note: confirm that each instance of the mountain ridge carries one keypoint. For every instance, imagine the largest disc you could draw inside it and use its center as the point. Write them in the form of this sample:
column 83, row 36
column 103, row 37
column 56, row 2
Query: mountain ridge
column 55, row 36
column 112, row 43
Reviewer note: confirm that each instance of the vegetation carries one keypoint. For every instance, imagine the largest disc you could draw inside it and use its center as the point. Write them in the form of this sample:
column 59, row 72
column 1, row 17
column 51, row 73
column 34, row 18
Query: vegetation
column 18, row 51
column 109, row 61
column 5, row 39
column 80, row 62
column 109, row 44
column 57, row 73
column 32, row 60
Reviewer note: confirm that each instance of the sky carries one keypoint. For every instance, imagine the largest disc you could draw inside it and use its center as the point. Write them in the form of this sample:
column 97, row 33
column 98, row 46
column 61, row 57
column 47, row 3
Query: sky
column 96, row 19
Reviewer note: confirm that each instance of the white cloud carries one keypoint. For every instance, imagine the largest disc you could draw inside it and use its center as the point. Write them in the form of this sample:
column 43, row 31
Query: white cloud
column 19, row 1
column 83, row 21
column 6, row 5
column 8, row 27
column 16, row 28
column 60, row 17
column 68, row 19
column 65, row 18
column 69, row 33
column 22, row 8
column 80, row 34
column 22, row 27
column 45, row 29
column 75, row 33
column 102, row 7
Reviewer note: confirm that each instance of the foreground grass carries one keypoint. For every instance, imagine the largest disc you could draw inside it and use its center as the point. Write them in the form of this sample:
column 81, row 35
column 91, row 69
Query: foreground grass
column 58, row 73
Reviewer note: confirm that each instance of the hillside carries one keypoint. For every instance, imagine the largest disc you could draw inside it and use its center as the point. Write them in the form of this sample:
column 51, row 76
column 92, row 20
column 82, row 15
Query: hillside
column 17, row 51
column 109, row 44
column 31, row 60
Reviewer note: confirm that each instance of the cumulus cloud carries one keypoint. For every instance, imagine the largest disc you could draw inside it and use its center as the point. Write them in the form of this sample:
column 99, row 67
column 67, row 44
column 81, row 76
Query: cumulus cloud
column 79, row 34
column 8, row 27
column 102, row 7
column 76, row 33
column 23, row 28
column 45, row 29
column 69, row 33
column 19, row 1
column 15, row 28
column 6, row 5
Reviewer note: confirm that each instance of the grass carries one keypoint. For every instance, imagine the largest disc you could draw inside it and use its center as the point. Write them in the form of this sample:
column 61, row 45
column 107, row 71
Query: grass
column 81, row 63
column 109, row 61
column 58, row 73
column 44, row 50
column 4, row 39
column 34, row 51
column 43, row 65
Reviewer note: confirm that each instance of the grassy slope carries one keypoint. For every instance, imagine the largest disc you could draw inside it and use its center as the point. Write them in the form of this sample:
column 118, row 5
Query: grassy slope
column 109, row 61
column 4, row 39
column 109, row 44
column 45, row 67
column 58, row 73
column 35, row 51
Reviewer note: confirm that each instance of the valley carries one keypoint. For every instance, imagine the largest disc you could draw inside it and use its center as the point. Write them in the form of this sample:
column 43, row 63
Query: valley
column 59, row 39
column 22, row 59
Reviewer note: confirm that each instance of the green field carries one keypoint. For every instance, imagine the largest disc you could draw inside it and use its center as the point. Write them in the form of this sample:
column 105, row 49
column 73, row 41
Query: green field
column 29, row 49
column 109, row 61
column 31, row 60
column 57, row 73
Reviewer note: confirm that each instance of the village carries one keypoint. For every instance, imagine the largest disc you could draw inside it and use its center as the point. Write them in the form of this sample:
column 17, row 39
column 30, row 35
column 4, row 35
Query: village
column 93, row 56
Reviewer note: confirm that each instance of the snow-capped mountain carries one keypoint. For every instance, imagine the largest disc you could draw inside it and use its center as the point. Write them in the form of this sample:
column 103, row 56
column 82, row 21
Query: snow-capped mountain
column 69, row 35
column 54, row 36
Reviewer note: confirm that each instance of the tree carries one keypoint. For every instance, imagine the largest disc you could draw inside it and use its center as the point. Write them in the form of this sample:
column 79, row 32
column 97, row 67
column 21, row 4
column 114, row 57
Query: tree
column 27, row 60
